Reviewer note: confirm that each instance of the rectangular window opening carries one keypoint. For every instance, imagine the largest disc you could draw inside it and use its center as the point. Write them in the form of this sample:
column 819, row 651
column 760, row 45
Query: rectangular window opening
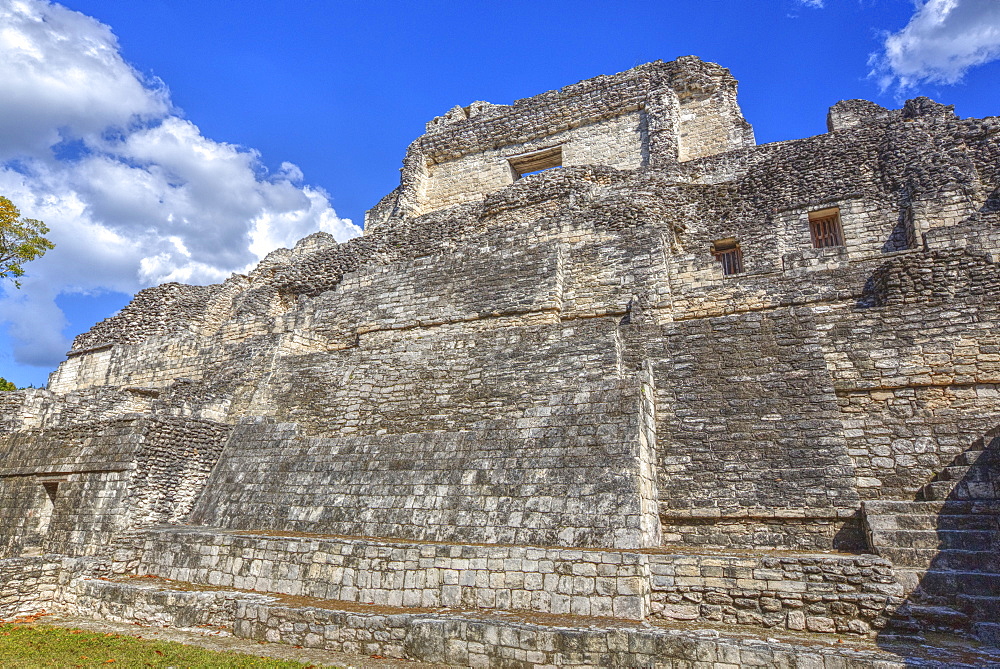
column 825, row 228
column 729, row 254
column 538, row 161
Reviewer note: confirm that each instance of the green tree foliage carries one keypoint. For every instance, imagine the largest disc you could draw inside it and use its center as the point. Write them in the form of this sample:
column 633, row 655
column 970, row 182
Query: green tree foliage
column 6, row 385
column 21, row 240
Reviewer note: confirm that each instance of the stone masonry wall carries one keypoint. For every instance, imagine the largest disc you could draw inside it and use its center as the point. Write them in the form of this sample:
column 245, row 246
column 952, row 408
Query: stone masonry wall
column 511, row 578
column 618, row 142
column 749, row 428
column 72, row 490
column 818, row 593
column 450, row 378
column 568, row 472
column 27, row 585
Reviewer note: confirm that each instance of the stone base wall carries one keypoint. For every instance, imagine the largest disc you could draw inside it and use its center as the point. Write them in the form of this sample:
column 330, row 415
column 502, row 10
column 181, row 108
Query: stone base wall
column 459, row 641
column 843, row 595
column 814, row 592
column 515, row 578
column 27, row 585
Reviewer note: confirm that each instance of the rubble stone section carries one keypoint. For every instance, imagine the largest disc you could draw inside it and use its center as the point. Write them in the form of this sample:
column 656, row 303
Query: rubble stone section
column 654, row 114
column 554, row 363
column 818, row 593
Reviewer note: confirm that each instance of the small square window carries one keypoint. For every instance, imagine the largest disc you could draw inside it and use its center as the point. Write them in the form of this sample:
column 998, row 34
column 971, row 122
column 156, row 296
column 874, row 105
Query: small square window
column 538, row 161
column 729, row 254
column 825, row 228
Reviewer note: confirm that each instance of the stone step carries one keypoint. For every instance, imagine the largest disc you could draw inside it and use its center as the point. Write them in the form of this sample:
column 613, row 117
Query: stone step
column 945, row 583
column 968, row 540
column 948, row 560
column 960, row 491
column 907, row 521
column 922, row 618
column 933, row 507
column 503, row 639
column 988, row 633
column 980, row 456
column 969, row 457
column 979, row 473
column 981, row 608
column 953, row 473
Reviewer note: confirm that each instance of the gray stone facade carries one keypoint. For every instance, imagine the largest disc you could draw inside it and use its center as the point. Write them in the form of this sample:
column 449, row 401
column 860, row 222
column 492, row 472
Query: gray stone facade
column 600, row 374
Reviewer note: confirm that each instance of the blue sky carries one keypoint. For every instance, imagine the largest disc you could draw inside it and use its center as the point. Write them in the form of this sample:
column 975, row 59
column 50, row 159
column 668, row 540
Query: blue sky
column 182, row 140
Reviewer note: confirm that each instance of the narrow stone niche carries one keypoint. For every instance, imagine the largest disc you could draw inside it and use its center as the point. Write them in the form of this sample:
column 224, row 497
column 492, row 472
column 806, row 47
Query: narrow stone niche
column 50, row 485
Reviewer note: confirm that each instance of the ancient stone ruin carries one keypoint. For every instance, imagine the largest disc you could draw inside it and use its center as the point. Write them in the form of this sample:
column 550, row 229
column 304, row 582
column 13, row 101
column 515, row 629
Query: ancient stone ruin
column 604, row 383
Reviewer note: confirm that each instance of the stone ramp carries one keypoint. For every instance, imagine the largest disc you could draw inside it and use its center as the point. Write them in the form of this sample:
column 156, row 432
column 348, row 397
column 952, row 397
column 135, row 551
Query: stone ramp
column 480, row 639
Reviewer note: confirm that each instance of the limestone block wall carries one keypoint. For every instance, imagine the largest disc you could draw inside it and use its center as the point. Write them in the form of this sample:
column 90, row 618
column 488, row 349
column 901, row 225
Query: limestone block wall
column 569, row 471
column 510, row 578
column 816, row 593
column 445, row 378
column 72, row 490
column 27, row 585
column 917, row 377
column 709, row 125
column 749, row 429
column 472, row 283
column 155, row 362
column 619, row 141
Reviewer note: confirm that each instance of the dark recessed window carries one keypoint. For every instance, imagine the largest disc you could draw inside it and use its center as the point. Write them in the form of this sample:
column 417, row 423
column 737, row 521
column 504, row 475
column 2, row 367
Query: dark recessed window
column 729, row 254
column 529, row 163
column 825, row 228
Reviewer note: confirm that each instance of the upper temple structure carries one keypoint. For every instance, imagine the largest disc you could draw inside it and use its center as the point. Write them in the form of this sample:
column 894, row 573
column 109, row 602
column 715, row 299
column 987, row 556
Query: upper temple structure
column 604, row 383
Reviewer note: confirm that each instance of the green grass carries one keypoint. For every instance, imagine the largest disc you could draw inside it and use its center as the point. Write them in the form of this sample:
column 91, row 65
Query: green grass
column 41, row 646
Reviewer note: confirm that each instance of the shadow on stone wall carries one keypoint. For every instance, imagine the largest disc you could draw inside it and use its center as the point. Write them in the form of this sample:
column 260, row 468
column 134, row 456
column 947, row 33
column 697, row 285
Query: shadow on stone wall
column 947, row 552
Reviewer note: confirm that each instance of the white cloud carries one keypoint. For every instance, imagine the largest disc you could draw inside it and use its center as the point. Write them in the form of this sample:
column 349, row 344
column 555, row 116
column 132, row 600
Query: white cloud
column 143, row 197
column 62, row 70
column 943, row 39
column 815, row 4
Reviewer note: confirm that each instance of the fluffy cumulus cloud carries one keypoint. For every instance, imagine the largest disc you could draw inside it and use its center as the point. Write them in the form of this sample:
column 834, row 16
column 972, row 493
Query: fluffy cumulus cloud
column 134, row 194
column 943, row 39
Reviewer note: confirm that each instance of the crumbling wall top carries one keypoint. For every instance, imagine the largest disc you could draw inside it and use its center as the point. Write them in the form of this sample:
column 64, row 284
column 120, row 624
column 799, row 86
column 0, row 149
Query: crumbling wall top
column 654, row 114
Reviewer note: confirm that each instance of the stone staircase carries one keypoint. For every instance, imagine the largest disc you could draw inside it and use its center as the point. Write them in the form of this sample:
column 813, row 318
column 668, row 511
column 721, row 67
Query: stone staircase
column 945, row 546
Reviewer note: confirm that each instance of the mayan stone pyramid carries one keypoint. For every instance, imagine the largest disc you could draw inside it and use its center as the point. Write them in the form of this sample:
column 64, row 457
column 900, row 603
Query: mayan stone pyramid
column 604, row 383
